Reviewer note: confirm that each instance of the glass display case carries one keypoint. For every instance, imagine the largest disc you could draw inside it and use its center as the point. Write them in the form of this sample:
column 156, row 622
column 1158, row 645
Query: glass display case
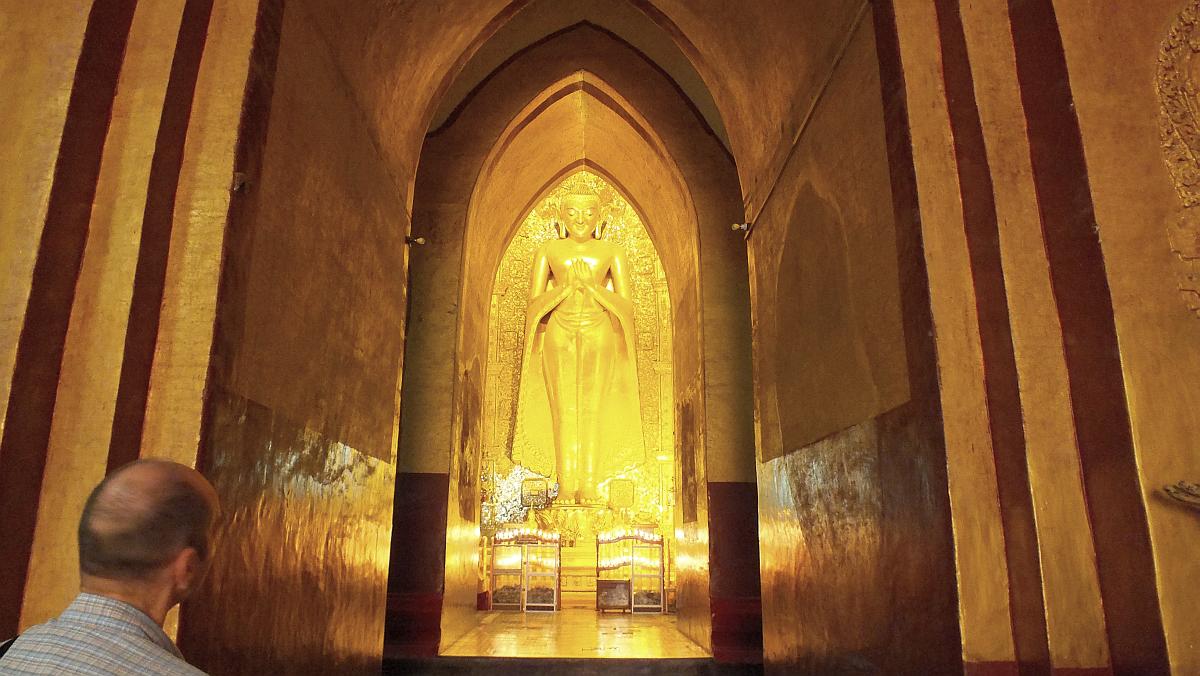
column 525, row 570
column 630, row 571
column 507, row 567
column 543, row 562
column 646, row 577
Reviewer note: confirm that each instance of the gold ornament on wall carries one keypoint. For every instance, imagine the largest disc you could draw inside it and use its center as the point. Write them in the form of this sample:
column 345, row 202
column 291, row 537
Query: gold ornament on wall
column 1178, row 86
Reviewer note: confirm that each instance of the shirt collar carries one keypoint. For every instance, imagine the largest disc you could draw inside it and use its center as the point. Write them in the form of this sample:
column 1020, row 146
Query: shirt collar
column 94, row 605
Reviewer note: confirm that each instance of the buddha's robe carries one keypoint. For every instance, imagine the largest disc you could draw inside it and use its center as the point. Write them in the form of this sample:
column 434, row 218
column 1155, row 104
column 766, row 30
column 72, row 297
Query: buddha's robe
column 578, row 394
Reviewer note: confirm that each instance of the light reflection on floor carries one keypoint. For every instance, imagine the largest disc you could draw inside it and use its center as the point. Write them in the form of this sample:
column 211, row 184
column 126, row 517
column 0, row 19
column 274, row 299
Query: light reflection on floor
column 575, row 632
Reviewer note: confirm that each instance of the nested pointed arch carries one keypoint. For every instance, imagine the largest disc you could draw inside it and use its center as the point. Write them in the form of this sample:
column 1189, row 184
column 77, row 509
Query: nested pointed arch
column 582, row 98
column 764, row 63
column 579, row 121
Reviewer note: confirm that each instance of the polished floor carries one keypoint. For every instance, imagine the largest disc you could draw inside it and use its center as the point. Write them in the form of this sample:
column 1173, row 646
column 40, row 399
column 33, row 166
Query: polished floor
column 575, row 633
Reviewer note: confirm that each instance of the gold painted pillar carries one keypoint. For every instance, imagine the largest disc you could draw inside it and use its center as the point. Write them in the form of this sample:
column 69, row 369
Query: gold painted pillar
column 983, row 590
column 185, row 333
column 1071, row 588
column 40, row 44
column 87, row 390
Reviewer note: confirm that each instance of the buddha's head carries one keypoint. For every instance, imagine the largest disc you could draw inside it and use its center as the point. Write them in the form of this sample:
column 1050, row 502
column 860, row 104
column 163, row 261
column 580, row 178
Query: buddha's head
column 579, row 216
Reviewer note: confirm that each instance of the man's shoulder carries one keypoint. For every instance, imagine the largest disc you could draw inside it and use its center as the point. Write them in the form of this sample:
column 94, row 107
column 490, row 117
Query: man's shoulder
column 59, row 647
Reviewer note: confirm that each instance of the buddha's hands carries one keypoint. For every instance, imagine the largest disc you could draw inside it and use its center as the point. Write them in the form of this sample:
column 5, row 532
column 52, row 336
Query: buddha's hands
column 580, row 276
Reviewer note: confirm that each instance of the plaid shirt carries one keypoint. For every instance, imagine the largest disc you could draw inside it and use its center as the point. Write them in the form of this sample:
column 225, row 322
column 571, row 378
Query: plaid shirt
column 96, row 636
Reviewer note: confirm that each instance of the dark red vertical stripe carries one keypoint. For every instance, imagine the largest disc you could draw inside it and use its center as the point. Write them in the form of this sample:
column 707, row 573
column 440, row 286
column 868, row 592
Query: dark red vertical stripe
column 917, row 311
column 248, row 161
column 925, row 633
column 1028, row 614
column 1097, row 386
column 151, row 272
column 251, row 140
column 52, row 293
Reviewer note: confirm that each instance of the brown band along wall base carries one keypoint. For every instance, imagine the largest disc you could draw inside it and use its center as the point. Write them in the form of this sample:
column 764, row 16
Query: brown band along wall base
column 1014, row 669
column 52, row 293
column 418, row 565
column 1028, row 614
column 150, row 275
column 734, row 573
column 1114, row 498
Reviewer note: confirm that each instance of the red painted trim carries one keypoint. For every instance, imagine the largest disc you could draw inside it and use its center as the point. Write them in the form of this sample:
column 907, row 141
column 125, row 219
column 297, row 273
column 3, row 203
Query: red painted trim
column 737, row 630
column 925, row 629
column 150, row 275
column 1028, row 615
column 734, row 572
column 991, row 669
column 1079, row 281
column 52, row 294
column 733, row 539
column 251, row 139
column 418, row 559
column 413, row 627
column 416, row 578
column 251, row 144
column 1017, row 669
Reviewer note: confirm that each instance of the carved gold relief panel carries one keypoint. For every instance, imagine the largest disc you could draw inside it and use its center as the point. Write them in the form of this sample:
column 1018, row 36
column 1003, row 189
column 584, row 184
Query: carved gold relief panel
column 1179, row 122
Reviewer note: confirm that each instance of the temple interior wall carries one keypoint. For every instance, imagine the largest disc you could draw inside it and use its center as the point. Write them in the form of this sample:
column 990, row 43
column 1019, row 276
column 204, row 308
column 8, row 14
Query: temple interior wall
column 303, row 406
column 763, row 120
column 1114, row 54
column 383, row 71
column 290, row 379
column 855, row 532
column 45, row 51
column 88, row 385
column 1067, row 628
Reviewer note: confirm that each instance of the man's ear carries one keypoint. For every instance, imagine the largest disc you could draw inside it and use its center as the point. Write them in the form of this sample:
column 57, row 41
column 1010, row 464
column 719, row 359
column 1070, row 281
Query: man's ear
column 186, row 570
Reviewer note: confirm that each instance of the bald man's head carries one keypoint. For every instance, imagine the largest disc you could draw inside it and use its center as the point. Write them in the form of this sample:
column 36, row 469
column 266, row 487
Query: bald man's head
column 141, row 516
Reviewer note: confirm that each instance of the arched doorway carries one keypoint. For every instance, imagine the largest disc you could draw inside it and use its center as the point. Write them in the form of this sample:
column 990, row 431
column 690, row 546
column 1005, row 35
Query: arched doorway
column 510, row 142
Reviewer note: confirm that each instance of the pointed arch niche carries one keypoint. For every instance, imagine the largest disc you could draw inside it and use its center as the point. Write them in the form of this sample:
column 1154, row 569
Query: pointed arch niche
column 579, row 123
column 652, row 476
column 580, row 101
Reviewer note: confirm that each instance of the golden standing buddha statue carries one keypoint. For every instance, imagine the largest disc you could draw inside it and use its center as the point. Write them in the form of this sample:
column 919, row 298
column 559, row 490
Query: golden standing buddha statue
column 578, row 389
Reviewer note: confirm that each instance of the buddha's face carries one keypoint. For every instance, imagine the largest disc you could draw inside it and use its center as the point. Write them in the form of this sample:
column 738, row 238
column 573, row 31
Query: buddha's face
column 580, row 214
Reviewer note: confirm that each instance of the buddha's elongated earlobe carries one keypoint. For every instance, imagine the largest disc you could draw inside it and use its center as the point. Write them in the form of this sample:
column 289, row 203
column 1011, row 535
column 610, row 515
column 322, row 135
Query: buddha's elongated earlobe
column 561, row 228
column 599, row 233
